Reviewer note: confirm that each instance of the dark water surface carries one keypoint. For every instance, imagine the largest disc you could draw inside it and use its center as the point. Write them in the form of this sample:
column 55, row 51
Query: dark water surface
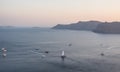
column 26, row 47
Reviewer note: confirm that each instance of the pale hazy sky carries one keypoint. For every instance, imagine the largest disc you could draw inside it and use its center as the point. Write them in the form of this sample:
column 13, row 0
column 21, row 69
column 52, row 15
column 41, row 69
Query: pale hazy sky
column 51, row 12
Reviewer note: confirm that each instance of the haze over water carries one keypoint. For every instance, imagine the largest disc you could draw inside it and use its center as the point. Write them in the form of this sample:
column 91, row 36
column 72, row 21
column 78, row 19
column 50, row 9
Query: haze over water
column 39, row 49
column 26, row 46
column 48, row 13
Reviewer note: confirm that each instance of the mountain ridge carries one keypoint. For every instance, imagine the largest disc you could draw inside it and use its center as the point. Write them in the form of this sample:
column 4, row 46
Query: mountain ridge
column 95, row 26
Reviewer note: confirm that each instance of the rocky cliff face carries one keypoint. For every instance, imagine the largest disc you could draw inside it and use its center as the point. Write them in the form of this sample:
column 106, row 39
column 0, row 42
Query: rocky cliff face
column 112, row 28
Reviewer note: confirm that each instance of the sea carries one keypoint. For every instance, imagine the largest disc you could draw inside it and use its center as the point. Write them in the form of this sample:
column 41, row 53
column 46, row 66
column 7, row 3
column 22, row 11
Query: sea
column 40, row 50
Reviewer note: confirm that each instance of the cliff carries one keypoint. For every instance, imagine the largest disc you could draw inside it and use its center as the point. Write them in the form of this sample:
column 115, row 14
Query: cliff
column 109, row 28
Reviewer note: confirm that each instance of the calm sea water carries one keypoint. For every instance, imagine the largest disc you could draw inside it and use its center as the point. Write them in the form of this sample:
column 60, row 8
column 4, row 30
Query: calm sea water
column 26, row 47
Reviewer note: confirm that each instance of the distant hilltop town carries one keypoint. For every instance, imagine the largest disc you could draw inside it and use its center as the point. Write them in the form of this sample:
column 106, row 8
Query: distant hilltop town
column 95, row 26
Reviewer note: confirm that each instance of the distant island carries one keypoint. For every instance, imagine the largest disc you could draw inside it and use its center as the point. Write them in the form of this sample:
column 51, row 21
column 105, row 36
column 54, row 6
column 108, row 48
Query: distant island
column 36, row 27
column 6, row 27
column 95, row 26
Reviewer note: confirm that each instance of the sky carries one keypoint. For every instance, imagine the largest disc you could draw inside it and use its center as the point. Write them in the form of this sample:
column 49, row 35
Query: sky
column 47, row 13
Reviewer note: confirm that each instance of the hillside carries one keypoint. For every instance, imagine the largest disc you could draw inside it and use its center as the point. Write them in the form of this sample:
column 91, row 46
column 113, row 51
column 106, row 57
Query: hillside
column 81, row 25
column 95, row 26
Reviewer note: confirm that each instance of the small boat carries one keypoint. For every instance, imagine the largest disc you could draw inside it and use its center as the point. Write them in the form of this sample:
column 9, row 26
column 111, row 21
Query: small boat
column 63, row 56
column 70, row 44
column 102, row 54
